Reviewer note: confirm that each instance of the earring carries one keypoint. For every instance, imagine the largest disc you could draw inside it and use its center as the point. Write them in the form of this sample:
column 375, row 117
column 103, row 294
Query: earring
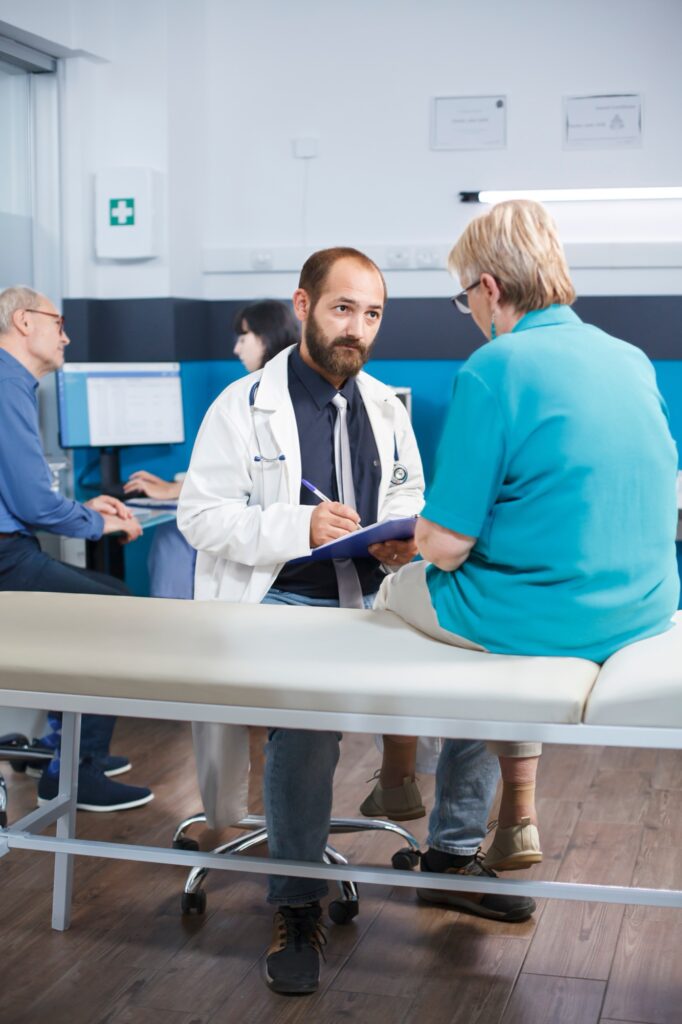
column 493, row 329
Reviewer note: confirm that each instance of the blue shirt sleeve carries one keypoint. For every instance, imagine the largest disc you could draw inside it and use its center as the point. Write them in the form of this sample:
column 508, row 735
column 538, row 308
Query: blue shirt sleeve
column 471, row 459
column 25, row 483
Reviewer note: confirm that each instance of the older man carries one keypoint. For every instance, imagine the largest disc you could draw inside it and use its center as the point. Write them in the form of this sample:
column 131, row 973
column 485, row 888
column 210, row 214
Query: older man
column 32, row 343
column 311, row 415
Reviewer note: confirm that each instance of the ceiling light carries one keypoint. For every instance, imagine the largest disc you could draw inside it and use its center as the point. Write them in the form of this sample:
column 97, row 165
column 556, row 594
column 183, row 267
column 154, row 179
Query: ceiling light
column 565, row 195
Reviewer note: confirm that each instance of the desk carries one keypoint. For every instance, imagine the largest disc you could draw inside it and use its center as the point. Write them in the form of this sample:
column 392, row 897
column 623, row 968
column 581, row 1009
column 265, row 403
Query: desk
column 106, row 554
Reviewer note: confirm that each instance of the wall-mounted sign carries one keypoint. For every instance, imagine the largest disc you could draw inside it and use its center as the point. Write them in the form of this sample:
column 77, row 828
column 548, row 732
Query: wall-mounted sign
column 127, row 204
column 469, row 122
column 598, row 122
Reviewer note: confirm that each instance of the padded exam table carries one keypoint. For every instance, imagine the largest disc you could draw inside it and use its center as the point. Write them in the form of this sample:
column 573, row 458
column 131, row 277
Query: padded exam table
column 314, row 668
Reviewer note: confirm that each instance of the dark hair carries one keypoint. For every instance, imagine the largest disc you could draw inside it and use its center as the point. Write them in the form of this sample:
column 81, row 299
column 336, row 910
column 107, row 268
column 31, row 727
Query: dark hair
column 317, row 267
column 273, row 322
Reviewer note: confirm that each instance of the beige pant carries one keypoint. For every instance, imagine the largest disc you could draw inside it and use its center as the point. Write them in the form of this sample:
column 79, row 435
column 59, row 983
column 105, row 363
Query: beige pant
column 407, row 594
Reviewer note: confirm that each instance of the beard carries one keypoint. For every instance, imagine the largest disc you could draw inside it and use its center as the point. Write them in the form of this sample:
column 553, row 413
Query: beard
column 335, row 357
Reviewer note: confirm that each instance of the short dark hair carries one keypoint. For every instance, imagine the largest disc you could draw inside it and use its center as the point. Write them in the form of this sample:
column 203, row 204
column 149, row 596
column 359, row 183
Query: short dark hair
column 317, row 267
column 273, row 322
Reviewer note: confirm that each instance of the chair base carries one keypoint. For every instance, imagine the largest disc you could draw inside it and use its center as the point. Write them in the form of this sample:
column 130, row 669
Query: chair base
column 341, row 910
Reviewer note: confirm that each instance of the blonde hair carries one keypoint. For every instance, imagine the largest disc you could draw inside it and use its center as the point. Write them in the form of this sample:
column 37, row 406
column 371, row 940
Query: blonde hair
column 518, row 244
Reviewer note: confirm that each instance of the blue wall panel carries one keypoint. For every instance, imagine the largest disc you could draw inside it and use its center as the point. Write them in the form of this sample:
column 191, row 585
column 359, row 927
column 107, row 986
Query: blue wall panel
column 431, row 382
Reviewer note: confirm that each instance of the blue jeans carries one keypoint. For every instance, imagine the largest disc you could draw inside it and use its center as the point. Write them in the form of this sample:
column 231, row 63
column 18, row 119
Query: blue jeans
column 24, row 566
column 299, row 773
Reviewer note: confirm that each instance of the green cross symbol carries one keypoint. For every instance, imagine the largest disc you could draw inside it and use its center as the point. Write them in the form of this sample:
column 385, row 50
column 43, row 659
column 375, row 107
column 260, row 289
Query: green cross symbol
column 121, row 212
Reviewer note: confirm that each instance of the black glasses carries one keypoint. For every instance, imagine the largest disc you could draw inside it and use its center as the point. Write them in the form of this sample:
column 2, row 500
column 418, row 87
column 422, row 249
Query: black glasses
column 461, row 301
column 55, row 316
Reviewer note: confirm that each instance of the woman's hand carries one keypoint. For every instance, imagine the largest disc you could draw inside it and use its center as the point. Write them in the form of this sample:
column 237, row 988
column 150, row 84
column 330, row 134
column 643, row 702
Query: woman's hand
column 151, row 485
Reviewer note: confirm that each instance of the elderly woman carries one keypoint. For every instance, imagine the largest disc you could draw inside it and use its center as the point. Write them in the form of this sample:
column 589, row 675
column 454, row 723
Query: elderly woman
column 550, row 525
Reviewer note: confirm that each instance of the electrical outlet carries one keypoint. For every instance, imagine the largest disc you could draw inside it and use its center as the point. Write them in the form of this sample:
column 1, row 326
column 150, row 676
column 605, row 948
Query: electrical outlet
column 304, row 149
column 398, row 257
column 261, row 259
column 428, row 259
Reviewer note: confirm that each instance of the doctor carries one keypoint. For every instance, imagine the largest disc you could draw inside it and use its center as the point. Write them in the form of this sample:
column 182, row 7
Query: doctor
column 309, row 414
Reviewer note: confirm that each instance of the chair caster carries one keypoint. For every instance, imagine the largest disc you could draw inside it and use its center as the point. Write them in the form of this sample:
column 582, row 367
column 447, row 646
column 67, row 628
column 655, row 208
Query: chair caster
column 185, row 843
column 193, row 902
column 343, row 911
column 405, row 860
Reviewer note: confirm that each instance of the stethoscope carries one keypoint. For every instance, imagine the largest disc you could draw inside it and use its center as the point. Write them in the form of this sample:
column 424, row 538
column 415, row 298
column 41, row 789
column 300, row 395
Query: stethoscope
column 260, row 457
column 399, row 475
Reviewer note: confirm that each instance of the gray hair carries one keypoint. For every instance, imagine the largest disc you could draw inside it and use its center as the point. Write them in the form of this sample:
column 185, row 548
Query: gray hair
column 12, row 299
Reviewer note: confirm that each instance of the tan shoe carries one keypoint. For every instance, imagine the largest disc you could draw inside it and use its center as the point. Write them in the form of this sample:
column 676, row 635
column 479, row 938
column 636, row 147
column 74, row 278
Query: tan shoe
column 402, row 803
column 514, row 848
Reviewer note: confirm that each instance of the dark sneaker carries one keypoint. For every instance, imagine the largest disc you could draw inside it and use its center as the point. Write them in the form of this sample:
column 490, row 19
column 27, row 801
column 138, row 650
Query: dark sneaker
column 492, row 905
column 95, row 791
column 108, row 764
column 293, row 961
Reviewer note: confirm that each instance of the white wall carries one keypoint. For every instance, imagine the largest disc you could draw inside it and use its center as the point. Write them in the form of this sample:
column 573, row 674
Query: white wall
column 212, row 93
column 360, row 78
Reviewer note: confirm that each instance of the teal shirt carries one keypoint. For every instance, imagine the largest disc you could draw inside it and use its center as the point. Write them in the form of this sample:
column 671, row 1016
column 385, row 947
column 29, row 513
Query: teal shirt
column 558, row 458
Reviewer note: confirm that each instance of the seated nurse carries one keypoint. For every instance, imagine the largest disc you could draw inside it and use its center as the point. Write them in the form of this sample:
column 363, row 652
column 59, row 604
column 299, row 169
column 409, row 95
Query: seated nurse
column 262, row 330
column 550, row 525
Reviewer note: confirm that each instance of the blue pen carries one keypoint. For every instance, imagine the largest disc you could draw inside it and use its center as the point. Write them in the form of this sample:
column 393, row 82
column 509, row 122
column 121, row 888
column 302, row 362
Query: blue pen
column 314, row 490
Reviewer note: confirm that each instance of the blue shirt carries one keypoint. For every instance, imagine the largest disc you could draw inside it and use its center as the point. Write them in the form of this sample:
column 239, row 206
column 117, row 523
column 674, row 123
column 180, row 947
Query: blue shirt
column 27, row 501
column 557, row 456
column 311, row 396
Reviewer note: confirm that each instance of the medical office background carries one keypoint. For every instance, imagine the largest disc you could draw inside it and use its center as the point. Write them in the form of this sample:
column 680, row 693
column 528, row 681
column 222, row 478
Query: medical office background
column 275, row 129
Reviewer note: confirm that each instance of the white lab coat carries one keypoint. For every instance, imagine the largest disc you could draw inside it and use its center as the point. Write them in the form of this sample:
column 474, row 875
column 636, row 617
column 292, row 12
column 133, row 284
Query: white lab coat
column 240, row 509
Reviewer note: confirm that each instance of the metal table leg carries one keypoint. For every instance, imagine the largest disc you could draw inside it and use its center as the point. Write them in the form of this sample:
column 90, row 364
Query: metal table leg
column 66, row 823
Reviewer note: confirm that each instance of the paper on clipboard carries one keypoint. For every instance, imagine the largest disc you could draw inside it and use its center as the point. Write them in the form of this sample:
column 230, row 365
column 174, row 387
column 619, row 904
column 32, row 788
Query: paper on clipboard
column 354, row 545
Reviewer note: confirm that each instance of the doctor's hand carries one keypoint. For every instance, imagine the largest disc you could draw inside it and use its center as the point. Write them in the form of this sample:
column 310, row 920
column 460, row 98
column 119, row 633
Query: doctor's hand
column 129, row 528
column 394, row 553
column 331, row 520
column 151, row 485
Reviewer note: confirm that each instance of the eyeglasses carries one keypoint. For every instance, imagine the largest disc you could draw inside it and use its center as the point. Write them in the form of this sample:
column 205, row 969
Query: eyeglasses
column 55, row 316
column 461, row 301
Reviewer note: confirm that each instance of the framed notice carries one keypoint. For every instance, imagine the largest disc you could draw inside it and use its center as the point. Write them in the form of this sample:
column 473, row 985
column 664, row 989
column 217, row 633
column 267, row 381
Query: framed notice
column 469, row 122
column 602, row 122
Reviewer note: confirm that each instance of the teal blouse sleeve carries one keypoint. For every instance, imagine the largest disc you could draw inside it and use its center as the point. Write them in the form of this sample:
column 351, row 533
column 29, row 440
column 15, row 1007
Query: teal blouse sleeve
column 471, row 458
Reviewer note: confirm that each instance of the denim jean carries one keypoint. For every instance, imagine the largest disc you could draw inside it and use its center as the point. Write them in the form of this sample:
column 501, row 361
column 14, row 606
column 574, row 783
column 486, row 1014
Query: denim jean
column 299, row 773
column 24, row 566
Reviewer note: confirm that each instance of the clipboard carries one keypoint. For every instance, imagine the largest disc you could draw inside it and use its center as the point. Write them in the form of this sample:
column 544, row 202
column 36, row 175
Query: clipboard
column 354, row 545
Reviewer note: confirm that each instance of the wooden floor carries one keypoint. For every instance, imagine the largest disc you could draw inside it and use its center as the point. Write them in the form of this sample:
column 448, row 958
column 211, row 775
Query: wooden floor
column 130, row 958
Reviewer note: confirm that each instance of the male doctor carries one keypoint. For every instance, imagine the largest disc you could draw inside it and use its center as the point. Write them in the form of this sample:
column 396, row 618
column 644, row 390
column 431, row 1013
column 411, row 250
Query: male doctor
column 310, row 414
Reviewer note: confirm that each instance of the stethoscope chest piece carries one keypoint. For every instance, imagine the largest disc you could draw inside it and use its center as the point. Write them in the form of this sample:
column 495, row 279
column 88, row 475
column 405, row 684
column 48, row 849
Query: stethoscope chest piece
column 399, row 474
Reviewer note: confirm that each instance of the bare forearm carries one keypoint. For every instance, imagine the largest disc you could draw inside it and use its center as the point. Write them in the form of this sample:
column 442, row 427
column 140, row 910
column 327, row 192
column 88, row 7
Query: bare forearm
column 443, row 548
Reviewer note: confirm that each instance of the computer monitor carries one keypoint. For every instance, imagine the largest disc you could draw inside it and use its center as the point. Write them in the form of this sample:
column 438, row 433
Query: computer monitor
column 113, row 405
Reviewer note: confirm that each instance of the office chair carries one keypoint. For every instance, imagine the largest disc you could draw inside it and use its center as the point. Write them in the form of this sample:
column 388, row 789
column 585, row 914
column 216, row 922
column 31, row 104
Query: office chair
column 341, row 910
column 17, row 749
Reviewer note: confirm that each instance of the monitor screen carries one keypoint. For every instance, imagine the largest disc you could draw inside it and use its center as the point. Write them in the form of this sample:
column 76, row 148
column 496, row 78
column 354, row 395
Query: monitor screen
column 116, row 404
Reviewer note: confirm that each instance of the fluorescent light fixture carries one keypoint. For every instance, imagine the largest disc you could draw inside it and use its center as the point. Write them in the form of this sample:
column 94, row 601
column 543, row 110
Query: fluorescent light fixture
column 568, row 195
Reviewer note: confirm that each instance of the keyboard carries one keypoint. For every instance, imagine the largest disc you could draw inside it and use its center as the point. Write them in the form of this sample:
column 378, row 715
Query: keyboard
column 152, row 503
